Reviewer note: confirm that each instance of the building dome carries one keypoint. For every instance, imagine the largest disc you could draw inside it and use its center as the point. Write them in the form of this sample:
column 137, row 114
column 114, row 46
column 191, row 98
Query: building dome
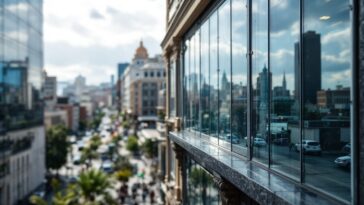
column 141, row 52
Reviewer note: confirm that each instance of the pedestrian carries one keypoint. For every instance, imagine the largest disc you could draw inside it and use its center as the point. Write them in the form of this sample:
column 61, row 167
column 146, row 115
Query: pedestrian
column 151, row 195
column 144, row 193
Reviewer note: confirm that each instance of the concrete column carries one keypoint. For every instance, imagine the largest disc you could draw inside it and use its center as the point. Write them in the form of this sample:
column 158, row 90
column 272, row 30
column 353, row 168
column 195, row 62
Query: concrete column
column 179, row 164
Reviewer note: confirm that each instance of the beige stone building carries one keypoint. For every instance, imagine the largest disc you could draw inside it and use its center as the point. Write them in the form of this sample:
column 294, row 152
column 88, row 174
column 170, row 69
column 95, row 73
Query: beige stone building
column 140, row 85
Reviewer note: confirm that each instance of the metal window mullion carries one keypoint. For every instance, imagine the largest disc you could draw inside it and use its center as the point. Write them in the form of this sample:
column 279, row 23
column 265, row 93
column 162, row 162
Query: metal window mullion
column 218, row 84
column 269, row 90
column 249, row 87
column 301, row 88
column 231, row 78
column 355, row 142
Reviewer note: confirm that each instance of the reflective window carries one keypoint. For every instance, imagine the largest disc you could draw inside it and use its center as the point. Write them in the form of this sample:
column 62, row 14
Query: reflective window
column 224, row 74
column 239, row 76
column 285, row 107
column 200, row 186
column 326, row 55
column 205, row 80
column 214, row 80
column 261, row 78
column 172, row 88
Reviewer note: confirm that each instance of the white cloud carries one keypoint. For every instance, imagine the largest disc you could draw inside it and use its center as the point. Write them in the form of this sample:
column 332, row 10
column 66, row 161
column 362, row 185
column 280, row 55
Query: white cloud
column 87, row 25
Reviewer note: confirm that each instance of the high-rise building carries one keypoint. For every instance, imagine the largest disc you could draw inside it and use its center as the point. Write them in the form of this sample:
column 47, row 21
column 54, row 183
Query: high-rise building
column 311, row 68
column 22, row 138
column 240, row 134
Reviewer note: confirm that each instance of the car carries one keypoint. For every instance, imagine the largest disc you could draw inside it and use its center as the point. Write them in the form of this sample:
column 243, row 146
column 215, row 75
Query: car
column 309, row 146
column 72, row 179
column 76, row 159
column 80, row 145
column 343, row 161
column 259, row 142
column 107, row 167
column 233, row 138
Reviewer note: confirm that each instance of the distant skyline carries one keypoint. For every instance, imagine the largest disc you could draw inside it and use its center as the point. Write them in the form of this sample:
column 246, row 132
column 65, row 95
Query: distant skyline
column 89, row 37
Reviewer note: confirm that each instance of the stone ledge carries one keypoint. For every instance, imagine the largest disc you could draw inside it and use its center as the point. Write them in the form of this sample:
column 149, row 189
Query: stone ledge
column 257, row 183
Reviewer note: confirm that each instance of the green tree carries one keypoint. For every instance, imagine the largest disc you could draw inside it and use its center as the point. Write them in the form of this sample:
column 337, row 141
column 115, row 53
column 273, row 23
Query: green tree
column 148, row 148
column 88, row 155
column 56, row 147
column 94, row 187
column 132, row 144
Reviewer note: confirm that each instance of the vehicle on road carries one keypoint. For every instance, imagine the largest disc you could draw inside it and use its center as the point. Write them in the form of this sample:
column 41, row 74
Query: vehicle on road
column 343, row 161
column 309, row 146
column 76, row 160
column 231, row 137
column 259, row 142
column 107, row 167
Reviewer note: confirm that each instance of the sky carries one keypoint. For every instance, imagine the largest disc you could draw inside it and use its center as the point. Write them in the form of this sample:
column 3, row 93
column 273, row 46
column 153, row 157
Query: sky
column 89, row 37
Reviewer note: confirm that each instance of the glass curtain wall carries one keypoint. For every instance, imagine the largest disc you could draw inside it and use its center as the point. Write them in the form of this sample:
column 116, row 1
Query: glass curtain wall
column 326, row 86
column 300, row 87
column 21, row 64
column 200, row 186
column 224, row 74
column 239, row 83
column 284, row 106
column 261, row 78
column 205, row 80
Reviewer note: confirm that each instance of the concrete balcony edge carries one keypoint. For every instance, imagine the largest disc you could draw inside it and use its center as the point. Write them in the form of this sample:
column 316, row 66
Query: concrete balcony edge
column 287, row 192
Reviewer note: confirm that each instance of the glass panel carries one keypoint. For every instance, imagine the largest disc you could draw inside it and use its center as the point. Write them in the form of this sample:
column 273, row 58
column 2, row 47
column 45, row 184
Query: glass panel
column 186, row 85
column 214, row 82
column 193, row 85
column 239, row 76
column 327, row 81
column 172, row 87
column 200, row 187
column 205, row 80
column 196, row 81
column 284, row 118
column 224, row 75
column 260, row 80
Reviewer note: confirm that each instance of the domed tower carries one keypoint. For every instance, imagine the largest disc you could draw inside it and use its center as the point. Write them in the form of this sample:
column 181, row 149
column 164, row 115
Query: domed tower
column 141, row 54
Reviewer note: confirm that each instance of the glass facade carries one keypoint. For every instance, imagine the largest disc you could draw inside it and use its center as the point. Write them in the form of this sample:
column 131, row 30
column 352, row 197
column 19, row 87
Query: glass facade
column 200, row 186
column 21, row 64
column 277, row 74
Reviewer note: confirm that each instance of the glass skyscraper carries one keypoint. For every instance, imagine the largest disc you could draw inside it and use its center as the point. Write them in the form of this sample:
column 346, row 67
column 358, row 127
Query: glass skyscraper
column 21, row 107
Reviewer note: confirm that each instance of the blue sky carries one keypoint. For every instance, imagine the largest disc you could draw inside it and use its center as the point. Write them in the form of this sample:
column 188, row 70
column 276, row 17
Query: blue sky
column 89, row 37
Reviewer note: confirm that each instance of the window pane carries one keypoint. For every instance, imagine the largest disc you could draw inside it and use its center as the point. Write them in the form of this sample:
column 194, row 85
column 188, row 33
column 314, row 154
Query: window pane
column 186, row 85
column 239, row 76
column 205, row 79
column 213, row 76
column 284, row 122
column 326, row 84
column 224, row 75
column 260, row 80
column 172, row 87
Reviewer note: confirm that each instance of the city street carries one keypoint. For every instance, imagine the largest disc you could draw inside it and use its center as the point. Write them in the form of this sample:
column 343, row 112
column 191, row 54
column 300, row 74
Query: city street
column 143, row 165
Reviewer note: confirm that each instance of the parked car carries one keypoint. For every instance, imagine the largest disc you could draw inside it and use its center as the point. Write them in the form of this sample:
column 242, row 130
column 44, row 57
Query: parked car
column 259, row 142
column 309, row 146
column 233, row 138
column 107, row 167
column 76, row 160
column 343, row 161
